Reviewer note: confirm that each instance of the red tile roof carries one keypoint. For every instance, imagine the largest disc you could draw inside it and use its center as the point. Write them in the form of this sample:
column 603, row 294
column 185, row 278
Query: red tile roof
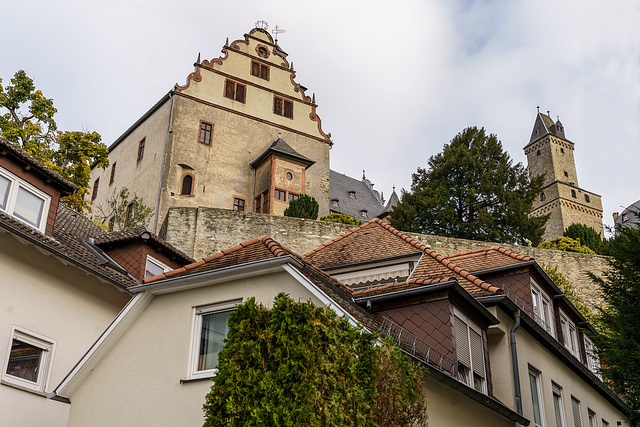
column 371, row 241
column 487, row 259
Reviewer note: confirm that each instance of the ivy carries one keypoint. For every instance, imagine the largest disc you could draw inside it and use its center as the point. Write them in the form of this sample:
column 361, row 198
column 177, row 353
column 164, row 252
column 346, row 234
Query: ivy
column 299, row 364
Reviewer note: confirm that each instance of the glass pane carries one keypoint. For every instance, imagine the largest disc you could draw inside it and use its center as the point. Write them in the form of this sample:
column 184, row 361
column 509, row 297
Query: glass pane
column 28, row 207
column 214, row 331
column 152, row 270
column 5, row 184
column 535, row 400
column 24, row 361
column 557, row 404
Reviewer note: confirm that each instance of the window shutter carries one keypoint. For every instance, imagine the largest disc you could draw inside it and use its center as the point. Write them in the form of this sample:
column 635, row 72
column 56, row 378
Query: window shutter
column 575, row 407
column 229, row 89
column 255, row 69
column 477, row 358
column 264, row 72
column 288, row 109
column 461, row 332
column 240, row 93
column 277, row 106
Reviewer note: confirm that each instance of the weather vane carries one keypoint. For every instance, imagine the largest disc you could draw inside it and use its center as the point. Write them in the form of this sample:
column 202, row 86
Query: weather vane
column 277, row 31
column 263, row 25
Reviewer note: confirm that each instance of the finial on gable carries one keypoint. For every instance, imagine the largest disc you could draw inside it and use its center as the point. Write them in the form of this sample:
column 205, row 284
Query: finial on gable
column 226, row 44
column 538, row 107
column 313, row 98
column 198, row 60
column 363, row 176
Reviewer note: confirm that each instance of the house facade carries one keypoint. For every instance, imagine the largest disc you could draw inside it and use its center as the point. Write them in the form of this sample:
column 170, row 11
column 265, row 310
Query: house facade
column 241, row 134
column 550, row 153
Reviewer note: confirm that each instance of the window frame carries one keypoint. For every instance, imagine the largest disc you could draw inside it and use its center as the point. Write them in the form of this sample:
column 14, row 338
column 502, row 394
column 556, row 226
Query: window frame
column 263, row 71
column 575, row 410
column 46, row 344
column 472, row 370
column 237, row 205
column 112, row 175
column 592, row 418
column 235, row 84
column 558, row 405
column 208, row 134
column 129, row 214
column 544, row 311
column 15, row 183
column 569, row 333
column 285, row 107
column 277, row 193
column 141, row 146
column 96, row 185
column 193, row 181
column 537, row 376
column 157, row 263
column 592, row 358
column 198, row 312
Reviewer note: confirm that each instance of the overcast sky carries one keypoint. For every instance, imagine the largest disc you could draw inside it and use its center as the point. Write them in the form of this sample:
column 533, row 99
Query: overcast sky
column 394, row 80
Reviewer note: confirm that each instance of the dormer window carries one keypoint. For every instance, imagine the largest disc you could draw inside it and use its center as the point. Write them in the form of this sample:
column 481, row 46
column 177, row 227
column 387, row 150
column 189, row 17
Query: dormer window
column 352, row 194
column 23, row 201
column 334, row 202
column 363, row 213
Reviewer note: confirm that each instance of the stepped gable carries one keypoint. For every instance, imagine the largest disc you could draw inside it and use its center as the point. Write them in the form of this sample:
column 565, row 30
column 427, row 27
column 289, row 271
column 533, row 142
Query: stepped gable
column 373, row 240
column 487, row 259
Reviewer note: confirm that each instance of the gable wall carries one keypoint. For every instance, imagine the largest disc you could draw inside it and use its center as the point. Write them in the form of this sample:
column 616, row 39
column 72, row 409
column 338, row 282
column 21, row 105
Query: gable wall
column 133, row 258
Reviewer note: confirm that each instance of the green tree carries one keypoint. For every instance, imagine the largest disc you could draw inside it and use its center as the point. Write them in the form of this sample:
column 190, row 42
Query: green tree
column 298, row 364
column 472, row 190
column 566, row 244
column 619, row 348
column 120, row 212
column 305, row 207
column 341, row 218
column 588, row 236
column 28, row 121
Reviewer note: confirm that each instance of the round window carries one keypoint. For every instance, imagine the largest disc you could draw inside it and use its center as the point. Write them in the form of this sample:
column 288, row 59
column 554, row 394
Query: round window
column 289, row 176
column 263, row 52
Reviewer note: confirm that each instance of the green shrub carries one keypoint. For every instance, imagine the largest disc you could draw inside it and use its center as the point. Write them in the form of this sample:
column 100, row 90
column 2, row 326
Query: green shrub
column 566, row 244
column 341, row 218
column 305, row 207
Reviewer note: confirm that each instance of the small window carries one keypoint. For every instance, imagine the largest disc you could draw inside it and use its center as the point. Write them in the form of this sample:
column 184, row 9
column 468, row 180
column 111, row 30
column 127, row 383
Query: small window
column 536, row 396
column 23, row 201
column 265, row 203
column 210, row 330
column 625, row 217
column 96, row 183
column 293, row 196
column 280, row 195
column 28, row 360
column 587, row 198
column 537, row 131
column 257, row 204
column 129, row 217
column 592, row 418
column 260, row 70
column 363, row 213
column 238, row 204
column 235, row 91
column 561, row 149
column 542, row 308
column 543, row 197
column 538, row 153
column 155, row 267
column 289, row 176
column 187, row 185
column 141, row 149
column 593, row 359
column 262, row 52
column 334, row 202
column 206, row 132
column 283, row 107
column 575, row 409
column 113, row 173
column 569, row 334
column 352, row 194
column 605, row 423
column 469, row 352
column 573, row 194
column 566, row 174
column 558, row 405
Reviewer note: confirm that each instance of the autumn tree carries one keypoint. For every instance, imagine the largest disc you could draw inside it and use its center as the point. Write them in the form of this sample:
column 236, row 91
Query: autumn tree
column 27, row 119
column 121, row 211
column 472, row 190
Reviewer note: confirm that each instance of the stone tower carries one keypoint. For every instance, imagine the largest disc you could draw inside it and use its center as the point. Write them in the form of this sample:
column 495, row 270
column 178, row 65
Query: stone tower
column 550, row 153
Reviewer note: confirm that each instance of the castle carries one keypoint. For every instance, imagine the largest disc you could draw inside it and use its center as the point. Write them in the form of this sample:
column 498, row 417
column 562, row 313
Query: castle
column 550, row 153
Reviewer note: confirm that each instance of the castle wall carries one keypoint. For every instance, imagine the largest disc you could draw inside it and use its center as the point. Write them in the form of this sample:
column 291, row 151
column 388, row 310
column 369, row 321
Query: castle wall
column 202, row 231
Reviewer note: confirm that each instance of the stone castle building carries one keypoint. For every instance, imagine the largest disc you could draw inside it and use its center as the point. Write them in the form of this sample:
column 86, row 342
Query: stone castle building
column 241, row 134
column 550, row 153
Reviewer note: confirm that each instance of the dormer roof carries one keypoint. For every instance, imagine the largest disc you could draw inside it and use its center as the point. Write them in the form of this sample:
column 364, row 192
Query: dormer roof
column 281, row 149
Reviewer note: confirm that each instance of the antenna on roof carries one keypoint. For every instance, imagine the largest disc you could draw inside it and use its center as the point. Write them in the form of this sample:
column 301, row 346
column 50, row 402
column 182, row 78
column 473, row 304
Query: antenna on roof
column 277, row 31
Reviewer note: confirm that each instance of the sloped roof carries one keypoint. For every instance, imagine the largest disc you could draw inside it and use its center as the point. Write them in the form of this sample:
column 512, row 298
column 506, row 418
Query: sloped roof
column 364, row 198
column 373, row 240
column 140, row 233
column 392, row 203
column 281, row 148
column 7, row 146
column 544, row 125
column 487, row 259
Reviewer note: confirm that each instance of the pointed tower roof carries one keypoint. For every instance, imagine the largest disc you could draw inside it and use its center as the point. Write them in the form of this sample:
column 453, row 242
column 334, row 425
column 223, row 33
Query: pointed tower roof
column 393, row 202
column 544, row 125
column 280, row 148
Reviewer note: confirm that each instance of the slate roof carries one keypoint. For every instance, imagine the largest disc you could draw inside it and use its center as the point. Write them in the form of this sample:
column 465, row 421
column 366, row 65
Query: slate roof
column 365, row 198
column 282, row 149
column 136, row 234
column 373, row 240
column 7, row 146
column 544, row 125
column 392, row 203
column 487, row 259
column 262, row 248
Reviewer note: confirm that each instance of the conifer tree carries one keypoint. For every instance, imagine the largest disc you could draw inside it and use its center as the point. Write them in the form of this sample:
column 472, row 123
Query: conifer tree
column 304, row 207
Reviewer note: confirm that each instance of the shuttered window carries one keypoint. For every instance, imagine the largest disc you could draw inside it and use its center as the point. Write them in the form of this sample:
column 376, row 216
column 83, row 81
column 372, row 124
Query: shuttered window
column 575, row 408
column 282, row 107
column 260, row 70
column 235, row 91
column 469, row 352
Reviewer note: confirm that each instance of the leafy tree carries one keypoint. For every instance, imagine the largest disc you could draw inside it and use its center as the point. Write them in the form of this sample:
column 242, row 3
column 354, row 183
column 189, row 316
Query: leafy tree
column 298, row 364
column 566, row 244
column 305, row 207
column 472, row 190
column 619, row 348
column 28, row 121
column 121, row 212
column 341, row 218
column 588, row 237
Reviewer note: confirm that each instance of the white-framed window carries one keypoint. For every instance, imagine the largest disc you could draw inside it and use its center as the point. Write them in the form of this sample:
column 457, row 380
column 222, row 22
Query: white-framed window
column 469, row 352
column 575, row 409
column 592, row 418
column 210, row 328
column 570, row 335
column 155, row 267
column 23, row 201
column 535, row 383
column 28, row 360
column 542, row 308
column 593, row 360
column 558, row 404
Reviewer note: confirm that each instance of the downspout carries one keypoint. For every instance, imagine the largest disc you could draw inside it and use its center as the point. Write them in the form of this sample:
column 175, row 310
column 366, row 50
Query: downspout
column 514, row 361
column 164, row 156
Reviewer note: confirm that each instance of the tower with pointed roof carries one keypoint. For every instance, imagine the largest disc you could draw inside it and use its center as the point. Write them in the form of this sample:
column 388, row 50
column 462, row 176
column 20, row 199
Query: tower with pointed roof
column 240, row 134
column 550, row 153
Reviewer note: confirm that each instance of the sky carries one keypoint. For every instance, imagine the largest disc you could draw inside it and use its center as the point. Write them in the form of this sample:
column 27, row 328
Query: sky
column 394, row 81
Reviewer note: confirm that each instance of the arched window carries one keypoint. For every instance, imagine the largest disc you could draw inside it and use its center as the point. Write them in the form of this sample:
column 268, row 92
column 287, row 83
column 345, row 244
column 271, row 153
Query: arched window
column 187, row 185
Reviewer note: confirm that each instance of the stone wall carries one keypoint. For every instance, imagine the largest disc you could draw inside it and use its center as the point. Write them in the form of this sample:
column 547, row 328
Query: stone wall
column 203, row 231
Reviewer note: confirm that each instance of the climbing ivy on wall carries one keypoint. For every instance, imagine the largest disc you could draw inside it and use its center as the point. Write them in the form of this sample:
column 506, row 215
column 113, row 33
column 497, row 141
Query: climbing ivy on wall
column 299, row 364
